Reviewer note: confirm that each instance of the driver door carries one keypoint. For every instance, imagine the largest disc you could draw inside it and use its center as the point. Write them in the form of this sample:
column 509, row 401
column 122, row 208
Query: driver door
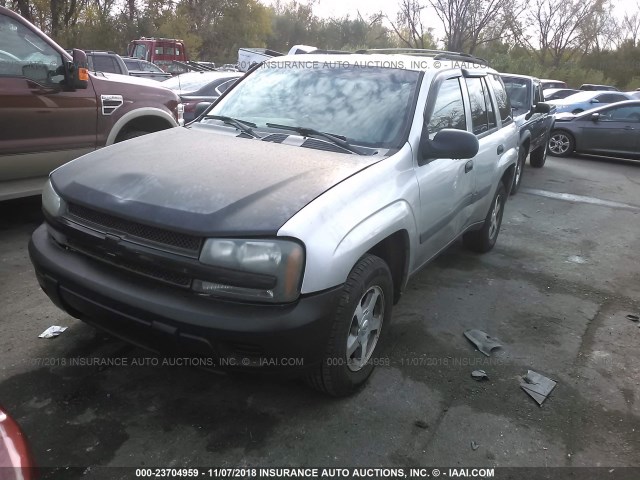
column 41, row 125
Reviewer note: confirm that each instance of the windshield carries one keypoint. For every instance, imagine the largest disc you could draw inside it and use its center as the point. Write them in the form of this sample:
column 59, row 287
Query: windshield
column 518, row 91
column 368, row 106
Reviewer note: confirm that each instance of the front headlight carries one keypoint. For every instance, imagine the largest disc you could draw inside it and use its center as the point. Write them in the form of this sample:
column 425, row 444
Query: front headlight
column 51, row 201
column 263, row 270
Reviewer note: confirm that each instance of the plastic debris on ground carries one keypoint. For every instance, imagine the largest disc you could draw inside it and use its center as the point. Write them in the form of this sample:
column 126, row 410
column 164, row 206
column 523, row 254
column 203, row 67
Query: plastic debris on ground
column 537, row 386
column 474, row 445
column 483, row 342
column 52, row 332
column 479, row 375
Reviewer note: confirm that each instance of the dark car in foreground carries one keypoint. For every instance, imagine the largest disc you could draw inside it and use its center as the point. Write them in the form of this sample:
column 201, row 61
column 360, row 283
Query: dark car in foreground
column 200, row 89
column 610, row 130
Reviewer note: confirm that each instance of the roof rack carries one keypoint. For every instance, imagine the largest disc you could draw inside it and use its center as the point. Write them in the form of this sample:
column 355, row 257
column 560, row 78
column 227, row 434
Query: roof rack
column 436, row 54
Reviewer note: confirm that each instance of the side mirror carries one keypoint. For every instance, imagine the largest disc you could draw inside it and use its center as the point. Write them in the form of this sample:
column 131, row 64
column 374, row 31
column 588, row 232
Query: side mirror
column 594, row 100
column 448, row 143
column 76, row 73
column 542, row 107
column 595, row 117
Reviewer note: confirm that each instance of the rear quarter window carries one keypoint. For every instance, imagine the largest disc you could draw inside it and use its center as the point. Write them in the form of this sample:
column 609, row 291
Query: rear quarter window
column 504, row 106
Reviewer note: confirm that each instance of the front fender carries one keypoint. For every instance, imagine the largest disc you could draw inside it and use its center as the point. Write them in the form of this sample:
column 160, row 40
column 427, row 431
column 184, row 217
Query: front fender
column 345, row 222
column 138, row 113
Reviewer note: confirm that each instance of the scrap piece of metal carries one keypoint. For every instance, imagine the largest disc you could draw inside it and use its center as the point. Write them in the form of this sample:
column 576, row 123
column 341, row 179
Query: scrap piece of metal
column 633, row 318
column 479, row 375
column 537, row 386
column 474, row 445
column 52, row 331
column 482, row 341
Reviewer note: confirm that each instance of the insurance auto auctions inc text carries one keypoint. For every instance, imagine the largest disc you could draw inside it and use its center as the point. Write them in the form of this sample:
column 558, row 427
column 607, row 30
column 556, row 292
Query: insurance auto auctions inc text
column 374, row 472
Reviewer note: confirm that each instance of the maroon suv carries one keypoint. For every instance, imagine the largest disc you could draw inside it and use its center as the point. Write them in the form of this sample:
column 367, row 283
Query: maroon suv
column 52, row 110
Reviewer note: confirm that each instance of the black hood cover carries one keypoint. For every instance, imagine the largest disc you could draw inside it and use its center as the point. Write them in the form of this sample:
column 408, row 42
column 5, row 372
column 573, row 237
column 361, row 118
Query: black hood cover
column 204, row 183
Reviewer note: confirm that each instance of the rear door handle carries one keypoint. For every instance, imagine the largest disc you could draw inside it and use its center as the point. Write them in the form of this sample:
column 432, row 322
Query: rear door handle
column 468, row 166
column 628, row 128
column 500, row 149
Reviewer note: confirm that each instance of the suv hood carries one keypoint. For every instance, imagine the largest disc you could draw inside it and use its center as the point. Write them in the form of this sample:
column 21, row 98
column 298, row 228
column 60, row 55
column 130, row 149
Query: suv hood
column 204, row 183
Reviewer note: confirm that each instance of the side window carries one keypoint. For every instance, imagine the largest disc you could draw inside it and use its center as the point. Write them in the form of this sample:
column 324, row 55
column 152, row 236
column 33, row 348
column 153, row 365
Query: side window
column 504, row 106
column 104, row 63
column 24, row 54
column 140, row 51
column 479, row 121
column 491, row 111
column 448, row 111
column 623, row 114
column 225, row 86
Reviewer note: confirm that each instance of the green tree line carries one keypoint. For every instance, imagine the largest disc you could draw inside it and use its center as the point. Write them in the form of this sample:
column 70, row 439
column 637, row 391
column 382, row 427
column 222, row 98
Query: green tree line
column 579, row 41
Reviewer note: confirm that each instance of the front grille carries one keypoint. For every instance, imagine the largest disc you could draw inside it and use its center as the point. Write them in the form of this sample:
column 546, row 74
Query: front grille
column 109, row 223
column 151, row 271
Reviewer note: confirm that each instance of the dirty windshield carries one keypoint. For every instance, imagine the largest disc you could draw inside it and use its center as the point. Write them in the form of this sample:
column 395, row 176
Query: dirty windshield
column 368, row 106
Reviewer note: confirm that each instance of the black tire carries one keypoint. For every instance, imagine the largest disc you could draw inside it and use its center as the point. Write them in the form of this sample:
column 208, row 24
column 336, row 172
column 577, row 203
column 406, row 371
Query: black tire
column 539, row 156
column 561, row 143
column 336, row 375
column 483, row 240
column 131, row 134
column 517, row 176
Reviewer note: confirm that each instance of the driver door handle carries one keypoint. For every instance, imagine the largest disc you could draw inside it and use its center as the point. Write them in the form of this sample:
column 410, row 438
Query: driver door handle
column 628, row 128
column 500, row 149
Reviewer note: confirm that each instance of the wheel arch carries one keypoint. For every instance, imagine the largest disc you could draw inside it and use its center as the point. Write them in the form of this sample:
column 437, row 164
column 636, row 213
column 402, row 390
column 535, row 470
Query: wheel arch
column 394, row 250
column 144, row 119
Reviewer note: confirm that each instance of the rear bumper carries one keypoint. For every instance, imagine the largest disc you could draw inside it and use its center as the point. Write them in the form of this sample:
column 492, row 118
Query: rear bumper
column 161, row 318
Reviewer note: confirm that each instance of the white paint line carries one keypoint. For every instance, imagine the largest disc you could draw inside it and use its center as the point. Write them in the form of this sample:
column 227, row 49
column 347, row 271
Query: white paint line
column 569, row 197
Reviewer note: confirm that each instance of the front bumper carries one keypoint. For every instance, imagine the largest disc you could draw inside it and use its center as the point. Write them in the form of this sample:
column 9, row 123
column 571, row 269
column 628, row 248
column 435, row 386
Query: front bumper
column 166, row 319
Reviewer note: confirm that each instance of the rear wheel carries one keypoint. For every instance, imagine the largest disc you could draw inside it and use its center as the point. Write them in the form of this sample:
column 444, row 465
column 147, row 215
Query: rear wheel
column 561, row 143
column 539, row 156
column 483, row 240
column 363, row 313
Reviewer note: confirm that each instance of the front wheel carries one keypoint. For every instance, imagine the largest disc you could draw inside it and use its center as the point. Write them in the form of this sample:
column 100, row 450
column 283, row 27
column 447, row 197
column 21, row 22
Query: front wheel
column 363, row 314
column 561, row 143
column 517, row 176
column 539, row 156
column 483, row 240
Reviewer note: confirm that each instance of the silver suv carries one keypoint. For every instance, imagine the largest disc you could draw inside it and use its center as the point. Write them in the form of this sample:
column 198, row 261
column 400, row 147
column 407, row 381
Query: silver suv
column 278, row 230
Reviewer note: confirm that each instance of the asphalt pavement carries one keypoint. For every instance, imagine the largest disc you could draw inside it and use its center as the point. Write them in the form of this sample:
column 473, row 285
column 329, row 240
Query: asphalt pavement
column 556, row 292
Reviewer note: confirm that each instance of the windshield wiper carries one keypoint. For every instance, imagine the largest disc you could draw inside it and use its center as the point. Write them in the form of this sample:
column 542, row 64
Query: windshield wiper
column 310, row 132
column 242, row 125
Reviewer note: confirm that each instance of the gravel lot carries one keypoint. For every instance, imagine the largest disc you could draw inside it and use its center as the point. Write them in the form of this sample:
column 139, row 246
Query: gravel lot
column 556, row 291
